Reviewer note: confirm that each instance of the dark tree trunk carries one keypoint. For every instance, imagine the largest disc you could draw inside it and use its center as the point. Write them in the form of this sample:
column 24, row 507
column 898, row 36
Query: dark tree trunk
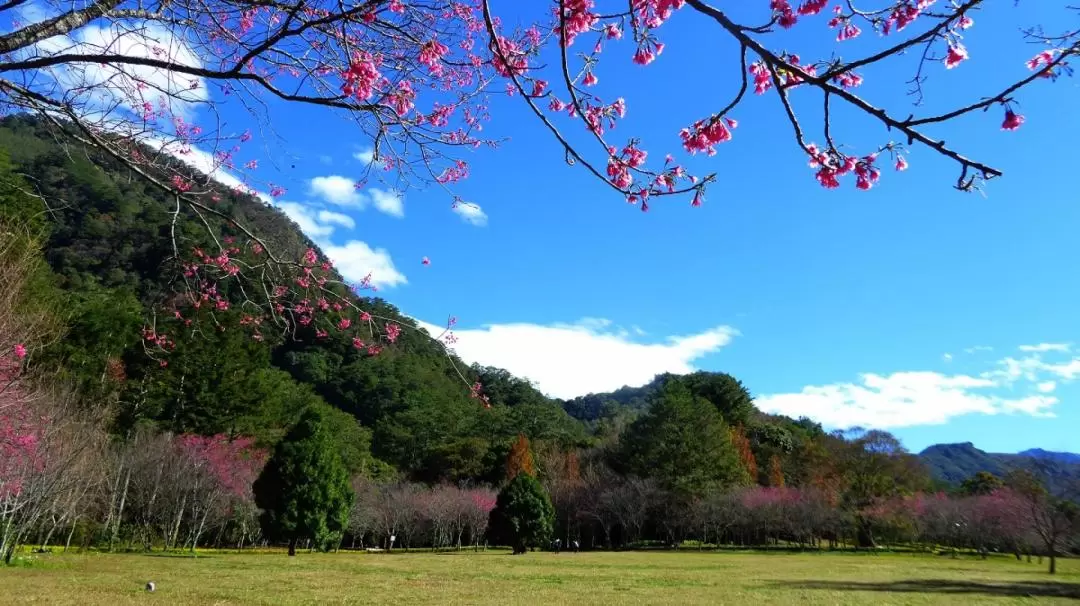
column 292, row 547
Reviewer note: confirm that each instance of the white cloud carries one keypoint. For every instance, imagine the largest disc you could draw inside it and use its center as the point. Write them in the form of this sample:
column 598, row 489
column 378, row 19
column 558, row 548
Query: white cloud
column 568, row 360
column 337, row 190
column 387, row 201
column 326, row 159
column 365, row 156
column 471, row 213
column 1065, row 370
column 106, row 85
column 978, row 348
column 901, row 399
column 1013, row 385
column 947, row 357
column 355, row 260
column 204, row 162
column 307, row 219
column 333, row 218
column 342, row 191
column 1045, row 347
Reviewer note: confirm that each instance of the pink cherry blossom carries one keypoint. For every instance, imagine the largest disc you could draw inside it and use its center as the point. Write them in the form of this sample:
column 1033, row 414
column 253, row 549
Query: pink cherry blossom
column 901, row 163
column 20, row 351
column 812, row 7
column 1012, row 120
column 425, row 261
column 431, row 54
column 578, row 18
column 705, row 135
column 392, row 332
column 590, row 79
column 956, row 54
column 362, row 76
column 1046, row 57
column 644, row 56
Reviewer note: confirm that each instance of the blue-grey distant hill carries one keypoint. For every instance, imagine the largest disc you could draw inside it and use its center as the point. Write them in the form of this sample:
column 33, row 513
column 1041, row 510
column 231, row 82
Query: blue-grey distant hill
column 953, row 463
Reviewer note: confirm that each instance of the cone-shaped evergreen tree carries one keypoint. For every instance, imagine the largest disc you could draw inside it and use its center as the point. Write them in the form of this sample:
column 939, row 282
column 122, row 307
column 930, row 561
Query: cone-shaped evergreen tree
column 304, row 490
column 523, row 516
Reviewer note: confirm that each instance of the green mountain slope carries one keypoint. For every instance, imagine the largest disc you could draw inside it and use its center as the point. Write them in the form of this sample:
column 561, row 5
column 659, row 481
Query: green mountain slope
column 109, row 243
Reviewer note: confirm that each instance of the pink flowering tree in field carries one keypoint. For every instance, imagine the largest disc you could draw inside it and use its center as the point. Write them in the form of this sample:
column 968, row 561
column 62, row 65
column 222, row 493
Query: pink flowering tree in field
column 145, row 84
column 478, row 505
column 228, row 468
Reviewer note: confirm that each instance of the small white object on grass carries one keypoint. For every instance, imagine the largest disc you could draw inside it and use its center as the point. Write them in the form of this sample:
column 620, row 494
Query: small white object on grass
column 150, row 586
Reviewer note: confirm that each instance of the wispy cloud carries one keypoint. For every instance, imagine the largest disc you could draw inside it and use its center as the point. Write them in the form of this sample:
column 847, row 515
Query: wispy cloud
column 110, row 86
column 1011, row 385
column 471, row 213
column 1045, row 347
column 365, row 156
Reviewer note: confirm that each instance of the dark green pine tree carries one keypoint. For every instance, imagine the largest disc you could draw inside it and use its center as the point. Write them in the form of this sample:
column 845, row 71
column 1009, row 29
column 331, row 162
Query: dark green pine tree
column 523, row 514
column 682, row 442
column 304, row 490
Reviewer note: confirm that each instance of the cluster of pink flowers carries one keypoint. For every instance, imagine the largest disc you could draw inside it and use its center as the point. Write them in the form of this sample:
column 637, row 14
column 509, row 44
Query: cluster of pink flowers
column 848, row 79
column 402, row 99
column 577, row 19
column 648, row 51
column 233, row 463
column 431, row 54
column 508, row 58
column 653, row 13
column 785, row 15
column 763, row 75
column 476, row 392
column 181, row 184
column 706, row 134
column 362, row 77
column 847, row 29
column 905, row 14
column 620, row 163
column 831, row 166
column 1045, row 58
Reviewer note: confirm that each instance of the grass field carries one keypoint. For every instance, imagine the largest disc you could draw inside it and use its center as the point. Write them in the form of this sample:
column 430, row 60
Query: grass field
column 685, row 577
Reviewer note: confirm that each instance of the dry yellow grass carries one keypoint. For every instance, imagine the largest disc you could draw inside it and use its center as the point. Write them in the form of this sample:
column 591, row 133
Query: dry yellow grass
column 685, row 577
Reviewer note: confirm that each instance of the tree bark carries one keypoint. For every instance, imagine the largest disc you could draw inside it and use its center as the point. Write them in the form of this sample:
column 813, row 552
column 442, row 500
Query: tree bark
column 292, row 547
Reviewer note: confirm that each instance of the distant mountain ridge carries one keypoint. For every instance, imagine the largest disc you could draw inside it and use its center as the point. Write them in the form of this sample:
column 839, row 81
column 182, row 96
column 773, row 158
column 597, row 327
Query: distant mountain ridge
column 954, row 463
column 1062, row 457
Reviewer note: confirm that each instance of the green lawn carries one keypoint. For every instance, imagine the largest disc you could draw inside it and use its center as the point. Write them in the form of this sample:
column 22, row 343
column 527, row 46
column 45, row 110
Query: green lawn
column 685, row 577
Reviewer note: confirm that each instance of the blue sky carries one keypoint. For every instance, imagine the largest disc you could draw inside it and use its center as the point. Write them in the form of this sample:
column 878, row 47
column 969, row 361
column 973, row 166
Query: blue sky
column 942, row 316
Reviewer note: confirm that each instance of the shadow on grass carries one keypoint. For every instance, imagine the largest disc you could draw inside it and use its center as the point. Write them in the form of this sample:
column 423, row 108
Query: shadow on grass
column 175, row 556
column 1020, row 589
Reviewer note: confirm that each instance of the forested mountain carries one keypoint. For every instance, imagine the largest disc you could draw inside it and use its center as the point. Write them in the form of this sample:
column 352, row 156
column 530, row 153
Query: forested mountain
column 954, row 463
column 1062, row 457
column 109, row 238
